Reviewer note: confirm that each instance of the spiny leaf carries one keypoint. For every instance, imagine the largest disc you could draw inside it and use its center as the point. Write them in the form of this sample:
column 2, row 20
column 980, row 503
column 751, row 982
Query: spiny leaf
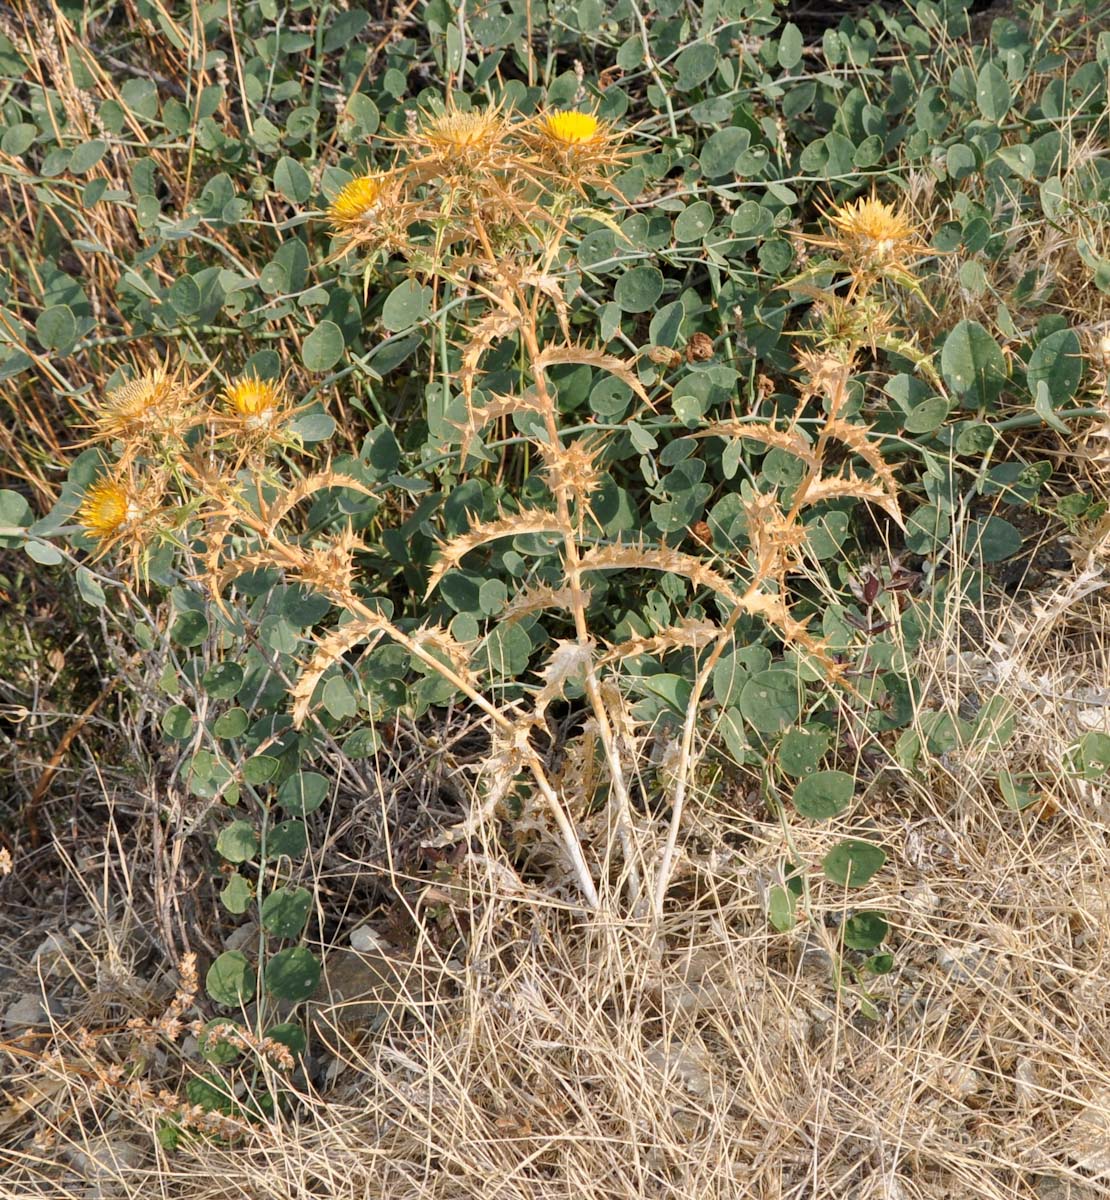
column 575, row 353
column 329, row 651
column 309, row 486
column 839, row 486
column 691, row 632
column 789, row 440
column 568, row 660
column 638, row 557
column 855, row 437
column 494, row 325
column 507, row 525
column 539, row 597
column 499, row 406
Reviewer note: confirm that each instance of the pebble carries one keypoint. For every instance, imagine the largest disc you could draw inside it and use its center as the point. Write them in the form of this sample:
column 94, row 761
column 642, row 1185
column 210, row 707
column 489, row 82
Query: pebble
column 29, row 1012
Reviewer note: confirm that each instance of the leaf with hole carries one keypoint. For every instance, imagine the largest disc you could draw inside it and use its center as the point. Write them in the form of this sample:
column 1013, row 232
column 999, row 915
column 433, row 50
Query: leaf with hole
column 801, row 750
column 289, row 839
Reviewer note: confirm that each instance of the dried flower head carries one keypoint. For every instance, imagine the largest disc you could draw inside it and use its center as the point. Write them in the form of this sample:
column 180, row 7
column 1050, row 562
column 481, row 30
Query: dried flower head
column 358, row 201
column 255, row 401
column 876, row 232
column 156, row 401
column 106, row 510
column 457, row 130
column 569, row 128
column 135, row 402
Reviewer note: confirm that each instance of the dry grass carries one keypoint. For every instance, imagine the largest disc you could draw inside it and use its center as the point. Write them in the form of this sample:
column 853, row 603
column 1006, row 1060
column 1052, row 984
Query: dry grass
column 545, row 1056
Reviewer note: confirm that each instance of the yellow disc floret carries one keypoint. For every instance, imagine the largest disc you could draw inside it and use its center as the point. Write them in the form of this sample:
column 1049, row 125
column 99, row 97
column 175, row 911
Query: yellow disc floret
column 569, row 128
column 358, row 201
column 105, row 510
column 255, row 400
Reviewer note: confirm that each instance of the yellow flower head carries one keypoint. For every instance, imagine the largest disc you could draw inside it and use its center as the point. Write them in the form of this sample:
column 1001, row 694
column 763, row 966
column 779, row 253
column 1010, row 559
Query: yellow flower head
column 255, row 400
column 568, row 128
column 875, row 230
column 358, row 201
column 106, row 509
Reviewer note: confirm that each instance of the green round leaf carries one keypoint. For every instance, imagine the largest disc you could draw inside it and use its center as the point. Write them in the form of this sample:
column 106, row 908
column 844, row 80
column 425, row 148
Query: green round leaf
column 292, row 974
column 801, row 750
column 992, row 93
column 694, row 222
column 230, row 979
column 56, row 328
column 852, row 863
column 323, row 347
column 407, row 304
column 19, row 138
column 86, row 156
column 695, row 65
column 926, row 528
column 292, row 180
column 237, row 842
column 993, row 540
column 290, row 839
column 972, row 364
column 865, row 930
column 721, row 150
column 290, row 1034
column 1057, row 361
column 769, row 701
column 285, row 911
column 303, row 793
column 223, row 680
column 231, row 724
column 637, row 290
column 1093, row 754
column 313, row 427
column 260, row 769
column 926, row 416
column 790, row 46
column 824, row 794
column 177, row 722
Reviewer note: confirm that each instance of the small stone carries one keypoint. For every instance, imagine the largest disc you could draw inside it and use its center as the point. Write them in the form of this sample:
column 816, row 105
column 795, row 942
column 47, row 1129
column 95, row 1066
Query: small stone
column 366, row 941
column 51, row 953
column 105, row 1161
column 29, row 1012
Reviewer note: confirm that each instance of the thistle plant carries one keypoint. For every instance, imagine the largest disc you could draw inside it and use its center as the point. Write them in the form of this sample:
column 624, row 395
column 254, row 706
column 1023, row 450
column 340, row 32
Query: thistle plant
column 484, row 205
